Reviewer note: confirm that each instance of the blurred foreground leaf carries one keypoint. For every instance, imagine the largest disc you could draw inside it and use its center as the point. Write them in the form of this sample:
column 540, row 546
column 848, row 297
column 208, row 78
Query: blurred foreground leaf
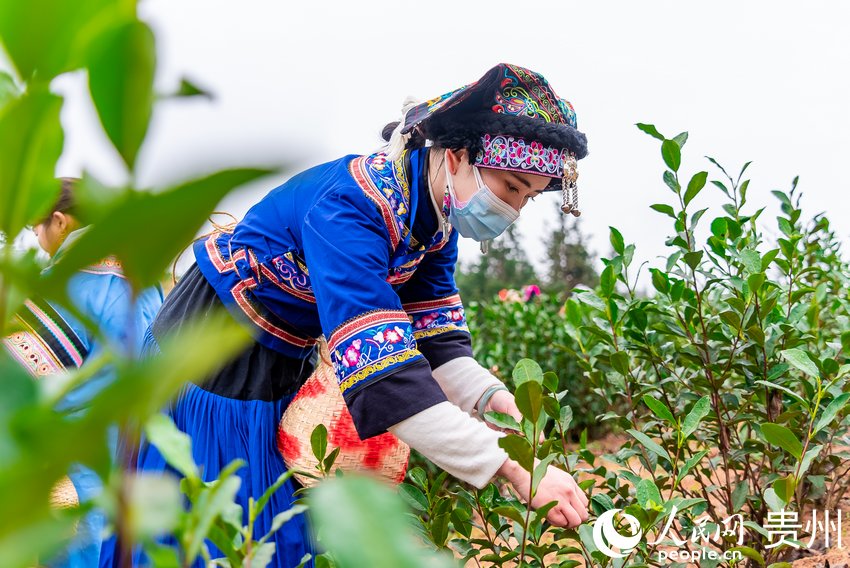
column 146, row 230
column 363, row 523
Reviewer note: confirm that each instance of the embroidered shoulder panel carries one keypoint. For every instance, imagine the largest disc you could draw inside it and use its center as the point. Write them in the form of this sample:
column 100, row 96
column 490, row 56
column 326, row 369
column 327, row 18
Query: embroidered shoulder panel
column 386, row 185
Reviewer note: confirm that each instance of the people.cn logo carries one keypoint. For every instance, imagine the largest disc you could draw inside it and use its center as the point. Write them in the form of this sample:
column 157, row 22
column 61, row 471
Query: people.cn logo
column 606, row 537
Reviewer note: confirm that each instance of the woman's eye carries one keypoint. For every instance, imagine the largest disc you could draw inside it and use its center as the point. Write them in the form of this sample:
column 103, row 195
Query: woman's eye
column 513, row 189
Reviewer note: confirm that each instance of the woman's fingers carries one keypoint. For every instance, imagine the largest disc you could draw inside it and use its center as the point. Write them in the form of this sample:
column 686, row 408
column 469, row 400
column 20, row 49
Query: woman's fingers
column 556, row 517
column 578, row 506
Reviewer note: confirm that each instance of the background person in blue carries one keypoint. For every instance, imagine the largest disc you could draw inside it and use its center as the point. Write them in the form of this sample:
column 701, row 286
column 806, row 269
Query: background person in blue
column 362, row 250
column 52, row 340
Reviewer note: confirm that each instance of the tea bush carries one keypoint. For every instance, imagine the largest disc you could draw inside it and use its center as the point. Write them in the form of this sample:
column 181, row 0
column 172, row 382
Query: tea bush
column 729, row 381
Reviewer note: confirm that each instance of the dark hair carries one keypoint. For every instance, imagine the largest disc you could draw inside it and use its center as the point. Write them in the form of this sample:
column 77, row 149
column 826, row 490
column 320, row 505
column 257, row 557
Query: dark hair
column 65, row 203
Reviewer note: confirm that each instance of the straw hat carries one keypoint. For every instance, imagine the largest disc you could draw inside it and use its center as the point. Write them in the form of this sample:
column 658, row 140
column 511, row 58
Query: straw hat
column 319, row 401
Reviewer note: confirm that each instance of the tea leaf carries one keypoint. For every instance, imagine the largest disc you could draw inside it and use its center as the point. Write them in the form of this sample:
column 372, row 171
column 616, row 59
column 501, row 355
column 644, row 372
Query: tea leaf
column 783, row 437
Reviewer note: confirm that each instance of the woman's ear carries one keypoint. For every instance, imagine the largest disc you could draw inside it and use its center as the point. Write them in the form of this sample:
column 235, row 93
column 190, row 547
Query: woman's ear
column 454, row 159
column 61, row 222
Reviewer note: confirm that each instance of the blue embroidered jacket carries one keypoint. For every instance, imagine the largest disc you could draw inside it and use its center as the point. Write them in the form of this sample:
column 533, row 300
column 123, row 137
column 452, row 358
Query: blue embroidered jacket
column 352, row 249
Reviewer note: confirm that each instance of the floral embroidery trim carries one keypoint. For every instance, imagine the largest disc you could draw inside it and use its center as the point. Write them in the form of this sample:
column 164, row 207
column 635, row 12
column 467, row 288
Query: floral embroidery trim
column 515, row 154
column 109, row 265
column 372, row 370
column 33, row 354
column 433, row 317
column 386, row 185
column 370, row 345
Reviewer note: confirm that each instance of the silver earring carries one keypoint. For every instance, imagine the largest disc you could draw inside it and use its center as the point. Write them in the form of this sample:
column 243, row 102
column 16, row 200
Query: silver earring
column 569, row 187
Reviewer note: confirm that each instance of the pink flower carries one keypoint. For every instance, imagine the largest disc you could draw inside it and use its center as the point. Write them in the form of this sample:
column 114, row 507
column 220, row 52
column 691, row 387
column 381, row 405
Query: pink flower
column 394, row 335
column 352, row 354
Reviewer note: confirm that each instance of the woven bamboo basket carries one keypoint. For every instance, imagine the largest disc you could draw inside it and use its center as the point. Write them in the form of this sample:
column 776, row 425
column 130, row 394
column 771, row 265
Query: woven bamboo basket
column 64, row 494
column 319, row 401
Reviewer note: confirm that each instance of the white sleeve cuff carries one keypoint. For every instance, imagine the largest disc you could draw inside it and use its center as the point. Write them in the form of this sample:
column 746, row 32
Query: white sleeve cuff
column 456, row 442
column 464, row 380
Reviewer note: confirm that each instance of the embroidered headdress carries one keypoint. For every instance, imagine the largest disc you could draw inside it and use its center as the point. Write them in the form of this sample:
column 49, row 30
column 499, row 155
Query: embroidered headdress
column 510, row 119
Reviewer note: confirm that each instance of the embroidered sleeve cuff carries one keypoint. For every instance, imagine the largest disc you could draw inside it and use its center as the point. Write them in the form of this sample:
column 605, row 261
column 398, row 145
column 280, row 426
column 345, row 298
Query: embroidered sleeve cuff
column 376, row 344
column 393, row 398
column 435, row 317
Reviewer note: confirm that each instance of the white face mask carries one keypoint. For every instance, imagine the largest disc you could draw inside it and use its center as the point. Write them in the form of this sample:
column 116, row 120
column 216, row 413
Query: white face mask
column 484, row 216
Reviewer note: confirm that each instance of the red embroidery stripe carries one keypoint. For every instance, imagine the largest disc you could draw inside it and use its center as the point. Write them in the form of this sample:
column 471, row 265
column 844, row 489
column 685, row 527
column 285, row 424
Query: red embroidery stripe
column 374, row 195
column 450, row 302
column 239, row 293
column 370, row 319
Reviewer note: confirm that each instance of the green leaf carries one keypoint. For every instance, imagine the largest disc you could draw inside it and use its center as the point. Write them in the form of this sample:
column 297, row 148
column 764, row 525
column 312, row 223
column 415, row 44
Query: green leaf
column 414, row 497
column 787, row 391
column 751, row 260
column 620, row 362
column 784, row 488
column 660, row 280
column 801, row 360
column 121, row 72
column 693, row 258
column 783, row 437
column 829, row 413
column 659, row 409
column 540, row 471
column 739, row 496
column 8, row 90
column 174, row 445
column 189, row 89
column 364, row 524
column 529, row 399
column 663, row 208
column 45, row 36
column 646, row 490
column 649, row 444
column 284, row 517
column 519, row 450
column 551, row 381
column 502, row 420
column 651, row 130
column 155, row 504
column 177, row 214
column 208, row 508
column 527, row 370
column 695, row 186
column 319, row 441
column 681, row 139
column 671, row 182
column 672, row 154
column 690, row 463
column 699, row 411
column 811, row 454
column 750, row 553
column 510, row 512
column 30, row 145
column 617, row 240
column 607, row 281
column 718, row 227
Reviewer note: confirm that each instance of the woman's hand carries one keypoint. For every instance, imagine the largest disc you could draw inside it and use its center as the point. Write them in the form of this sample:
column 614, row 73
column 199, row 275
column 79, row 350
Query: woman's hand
column 556, row 485
column 503, row 401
